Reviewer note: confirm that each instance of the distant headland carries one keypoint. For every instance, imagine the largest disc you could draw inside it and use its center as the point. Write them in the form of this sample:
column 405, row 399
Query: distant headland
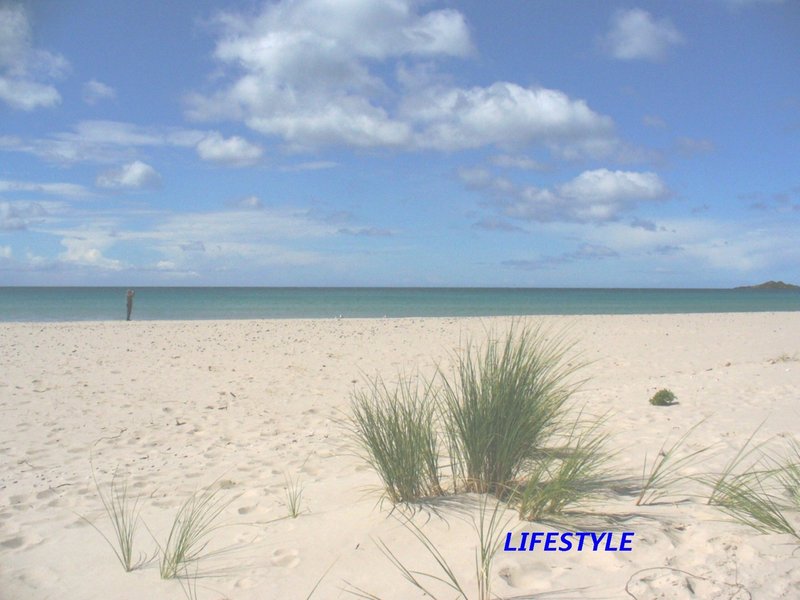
column 769, row 285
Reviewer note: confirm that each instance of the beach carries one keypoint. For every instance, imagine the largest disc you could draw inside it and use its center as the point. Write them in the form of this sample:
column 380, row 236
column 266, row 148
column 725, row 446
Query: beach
column 252, row 407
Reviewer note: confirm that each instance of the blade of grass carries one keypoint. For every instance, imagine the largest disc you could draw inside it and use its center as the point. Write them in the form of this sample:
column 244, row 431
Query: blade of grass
column 294, row 495
column 718, row 483
column 664, row 472
column 123, row 513
column 189, row 535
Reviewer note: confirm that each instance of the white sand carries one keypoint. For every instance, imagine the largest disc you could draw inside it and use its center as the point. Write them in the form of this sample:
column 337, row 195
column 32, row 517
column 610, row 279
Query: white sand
column 179, row 405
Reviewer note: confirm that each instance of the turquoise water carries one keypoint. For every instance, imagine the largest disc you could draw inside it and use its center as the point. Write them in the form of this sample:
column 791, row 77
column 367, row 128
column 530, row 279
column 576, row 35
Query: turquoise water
column 104, row 303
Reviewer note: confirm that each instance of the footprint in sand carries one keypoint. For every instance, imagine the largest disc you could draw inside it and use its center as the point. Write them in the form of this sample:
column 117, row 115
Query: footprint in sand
column 285, row 557
column 534, row 577
column 13, row 543
column 246, row 583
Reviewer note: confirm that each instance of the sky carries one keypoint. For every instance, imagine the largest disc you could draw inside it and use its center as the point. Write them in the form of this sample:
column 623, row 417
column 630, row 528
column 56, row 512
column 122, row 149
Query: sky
column 519, row 143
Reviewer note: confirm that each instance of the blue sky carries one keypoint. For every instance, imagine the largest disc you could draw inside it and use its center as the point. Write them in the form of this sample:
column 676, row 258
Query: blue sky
column 400, row 142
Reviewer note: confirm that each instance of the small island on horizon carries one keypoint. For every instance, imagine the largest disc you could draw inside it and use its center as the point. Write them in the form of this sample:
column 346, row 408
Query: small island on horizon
column 769, row 285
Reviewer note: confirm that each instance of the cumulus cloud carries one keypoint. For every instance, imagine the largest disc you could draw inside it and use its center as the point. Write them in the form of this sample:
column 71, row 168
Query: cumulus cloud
column 87, row 250
column 635, row 34
column 503, row 114
column 595, row 196
column 95, row 91
column 25, row 71
column 363, row 74
column 233, row 151
column 135, row 175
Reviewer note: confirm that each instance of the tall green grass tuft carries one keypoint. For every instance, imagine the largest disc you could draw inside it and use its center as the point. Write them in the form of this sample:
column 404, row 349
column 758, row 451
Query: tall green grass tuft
column 501, row 406
column 395, row 428
column 189, row 535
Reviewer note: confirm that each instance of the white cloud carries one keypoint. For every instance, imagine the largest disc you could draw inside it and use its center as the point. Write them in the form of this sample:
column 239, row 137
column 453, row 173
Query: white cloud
column 635, row 34
column 596, row 196
column 319, row 73
column 94, row 91
column 518, row 162
column 24, row 70
column 248, row 203
column 317, row 165
column 503, row 114
column 5, row 251
column 687, row 243
column 689, row 146
column 20, row 215
column 743, row 3
column 135, row 175
column 54, row 189
column 263, row 237
column 233, row 151
column 654, row 121
column 15, row 216
column 88, row 251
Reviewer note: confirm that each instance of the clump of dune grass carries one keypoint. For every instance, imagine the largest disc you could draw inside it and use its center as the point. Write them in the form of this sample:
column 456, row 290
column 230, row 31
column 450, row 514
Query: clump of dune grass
column 789, row 475
column 501, row 406
column 489, row 527
column 752, row 495
column 294, row 495
column 190, row 533
column 747, row 499
column 665, row 471
column 123, row 513
column 564, row 476
column 718, row 482
column 395, row 428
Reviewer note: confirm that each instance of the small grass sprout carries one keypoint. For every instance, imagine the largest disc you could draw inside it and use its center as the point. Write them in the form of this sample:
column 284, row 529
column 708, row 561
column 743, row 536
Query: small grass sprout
column 664, row 473
column 123, row 513
column 663, row 397
column 294, row 495
column 395, row 429
column 189, row 535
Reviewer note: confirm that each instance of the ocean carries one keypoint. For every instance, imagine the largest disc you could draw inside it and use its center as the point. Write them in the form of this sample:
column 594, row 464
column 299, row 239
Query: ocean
column 192, row 303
